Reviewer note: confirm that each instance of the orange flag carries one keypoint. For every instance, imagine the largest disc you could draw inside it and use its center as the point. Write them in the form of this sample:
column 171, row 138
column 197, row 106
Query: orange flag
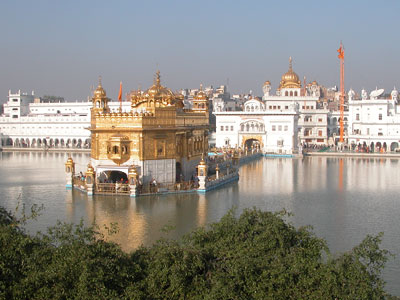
column 120, row 91
column 341, row 52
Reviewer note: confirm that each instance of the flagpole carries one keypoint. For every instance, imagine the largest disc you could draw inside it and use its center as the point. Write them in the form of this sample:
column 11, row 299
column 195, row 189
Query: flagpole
column 120, row 96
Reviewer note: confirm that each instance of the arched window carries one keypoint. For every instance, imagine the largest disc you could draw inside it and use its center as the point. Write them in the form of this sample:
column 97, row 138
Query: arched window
column 295, row 93
column 247, row 127
column 115, row 150
column 291, row 93
column 242, row 127
column 286, row 93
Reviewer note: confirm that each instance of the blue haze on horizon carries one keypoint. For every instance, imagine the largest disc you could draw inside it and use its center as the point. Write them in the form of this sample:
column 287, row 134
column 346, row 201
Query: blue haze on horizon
column 61, row 47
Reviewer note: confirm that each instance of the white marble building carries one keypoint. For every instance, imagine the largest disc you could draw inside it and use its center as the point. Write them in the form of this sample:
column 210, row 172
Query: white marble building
column 273, row 132
column 374, row 121
column 278, row 123
column 27, row 122
column 312, row 123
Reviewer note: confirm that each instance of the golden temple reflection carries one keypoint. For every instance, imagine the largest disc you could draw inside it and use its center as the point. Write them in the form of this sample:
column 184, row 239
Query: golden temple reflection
column 202, row 210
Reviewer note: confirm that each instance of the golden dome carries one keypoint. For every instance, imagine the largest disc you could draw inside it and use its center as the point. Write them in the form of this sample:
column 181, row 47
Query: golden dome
column 267, row 83
column 201, row 95
column 99, row 92
column 156, row 94
column 314, row 82
column 290, row 79
column 202, row 162
column 157, row 90
column 89, row 169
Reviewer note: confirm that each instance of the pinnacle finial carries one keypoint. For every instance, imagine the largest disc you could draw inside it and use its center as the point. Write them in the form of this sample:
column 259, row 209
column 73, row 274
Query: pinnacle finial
column 99, row 80
column 290, row 63
column 201, row 86
column 158, row 77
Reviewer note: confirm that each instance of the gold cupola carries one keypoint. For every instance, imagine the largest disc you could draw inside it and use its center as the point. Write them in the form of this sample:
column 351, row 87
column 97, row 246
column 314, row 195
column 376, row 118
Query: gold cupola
column 200, row 101
column 290, row 79
column 100, row 100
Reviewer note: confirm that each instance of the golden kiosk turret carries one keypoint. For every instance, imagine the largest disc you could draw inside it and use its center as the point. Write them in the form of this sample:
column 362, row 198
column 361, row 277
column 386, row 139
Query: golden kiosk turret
column 200, row 101
column 99, row 100
column 70, row 172
column 90, row 180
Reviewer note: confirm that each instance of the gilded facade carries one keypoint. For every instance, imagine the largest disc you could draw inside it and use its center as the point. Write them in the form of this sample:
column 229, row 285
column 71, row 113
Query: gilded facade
column 158, row 136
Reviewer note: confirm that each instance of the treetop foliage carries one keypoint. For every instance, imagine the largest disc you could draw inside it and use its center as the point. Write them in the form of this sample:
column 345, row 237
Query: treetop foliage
column 257, row 255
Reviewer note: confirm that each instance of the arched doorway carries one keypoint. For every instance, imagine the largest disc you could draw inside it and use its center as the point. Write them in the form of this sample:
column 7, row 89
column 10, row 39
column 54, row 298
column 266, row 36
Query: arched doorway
column 249, row 143
column 116, row 176
column 87, row 143
column 178, row 173
column 372, row 146
column 112, row 177
column 384, row 146
column 394, row 146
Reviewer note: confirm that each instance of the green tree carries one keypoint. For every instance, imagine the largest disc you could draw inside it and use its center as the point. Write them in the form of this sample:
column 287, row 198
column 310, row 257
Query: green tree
column 257, row 255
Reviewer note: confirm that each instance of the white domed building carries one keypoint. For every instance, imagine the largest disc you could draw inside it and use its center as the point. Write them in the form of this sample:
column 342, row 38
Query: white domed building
column 277, row 123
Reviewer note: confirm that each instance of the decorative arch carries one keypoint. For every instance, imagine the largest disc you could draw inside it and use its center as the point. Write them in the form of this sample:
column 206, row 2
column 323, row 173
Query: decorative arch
column 252, row 126
column 250, row 139
column 394, row 146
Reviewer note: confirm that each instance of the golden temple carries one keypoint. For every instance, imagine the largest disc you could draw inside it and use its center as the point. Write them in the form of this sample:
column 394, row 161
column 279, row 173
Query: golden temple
column 158, row 137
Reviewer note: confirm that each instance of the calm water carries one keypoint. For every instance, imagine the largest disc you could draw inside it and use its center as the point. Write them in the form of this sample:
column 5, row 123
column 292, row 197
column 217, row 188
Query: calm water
column 342, row 199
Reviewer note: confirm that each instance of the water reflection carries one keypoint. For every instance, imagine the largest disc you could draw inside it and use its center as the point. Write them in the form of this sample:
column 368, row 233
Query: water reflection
column 344, row 199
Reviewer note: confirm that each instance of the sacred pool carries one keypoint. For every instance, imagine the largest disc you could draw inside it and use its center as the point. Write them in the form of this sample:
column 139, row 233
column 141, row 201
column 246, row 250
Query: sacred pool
column 343, row 199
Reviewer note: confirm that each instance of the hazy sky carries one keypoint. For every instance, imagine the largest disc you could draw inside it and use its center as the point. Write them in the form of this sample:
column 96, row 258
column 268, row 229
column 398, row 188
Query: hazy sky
column 61, row 47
